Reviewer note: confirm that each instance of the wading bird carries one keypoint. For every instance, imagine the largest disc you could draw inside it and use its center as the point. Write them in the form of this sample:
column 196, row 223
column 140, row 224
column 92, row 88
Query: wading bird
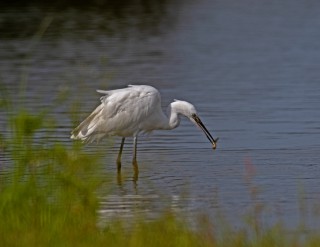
column 129, row 111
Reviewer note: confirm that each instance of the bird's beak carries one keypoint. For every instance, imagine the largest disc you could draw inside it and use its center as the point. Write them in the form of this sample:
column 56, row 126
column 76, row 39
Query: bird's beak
column 204, row 129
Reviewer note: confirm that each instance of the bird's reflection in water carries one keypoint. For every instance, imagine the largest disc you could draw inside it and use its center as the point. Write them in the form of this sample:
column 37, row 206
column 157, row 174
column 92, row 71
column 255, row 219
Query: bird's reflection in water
column 135, row 176
column 135, row 171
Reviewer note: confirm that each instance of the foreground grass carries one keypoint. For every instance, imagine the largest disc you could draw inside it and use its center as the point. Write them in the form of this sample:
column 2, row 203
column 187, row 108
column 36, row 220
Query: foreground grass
column 49, row 197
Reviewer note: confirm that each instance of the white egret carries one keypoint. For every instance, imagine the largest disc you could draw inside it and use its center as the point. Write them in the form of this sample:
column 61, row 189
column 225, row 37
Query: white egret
column 129, row 111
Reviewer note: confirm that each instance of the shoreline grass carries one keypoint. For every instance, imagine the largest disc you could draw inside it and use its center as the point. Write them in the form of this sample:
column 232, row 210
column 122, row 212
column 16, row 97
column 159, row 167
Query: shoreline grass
column 48, row 197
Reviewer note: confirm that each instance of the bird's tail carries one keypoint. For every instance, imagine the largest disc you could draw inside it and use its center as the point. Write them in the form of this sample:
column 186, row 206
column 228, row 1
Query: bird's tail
column 87, row 130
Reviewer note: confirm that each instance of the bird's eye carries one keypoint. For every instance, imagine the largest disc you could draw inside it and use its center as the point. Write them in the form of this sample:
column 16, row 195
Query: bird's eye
column 193, row 115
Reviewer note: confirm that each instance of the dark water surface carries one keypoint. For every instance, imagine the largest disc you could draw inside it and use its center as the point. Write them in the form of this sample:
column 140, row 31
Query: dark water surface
column 251, row 68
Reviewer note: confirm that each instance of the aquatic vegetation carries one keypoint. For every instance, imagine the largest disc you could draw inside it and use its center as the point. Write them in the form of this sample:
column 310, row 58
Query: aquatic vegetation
column 49, row 197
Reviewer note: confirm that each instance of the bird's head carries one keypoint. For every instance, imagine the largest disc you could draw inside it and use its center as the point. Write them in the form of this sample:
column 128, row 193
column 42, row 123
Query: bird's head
column 184, row 108
column 188, row 110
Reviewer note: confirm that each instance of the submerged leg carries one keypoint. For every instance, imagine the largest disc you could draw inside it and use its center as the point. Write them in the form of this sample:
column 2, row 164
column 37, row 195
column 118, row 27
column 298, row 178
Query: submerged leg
column 119, row 154
column 135, row 140
column 134, row 160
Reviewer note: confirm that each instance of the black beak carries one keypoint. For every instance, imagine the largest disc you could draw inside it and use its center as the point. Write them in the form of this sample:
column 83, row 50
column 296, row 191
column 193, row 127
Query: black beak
column 204, row 129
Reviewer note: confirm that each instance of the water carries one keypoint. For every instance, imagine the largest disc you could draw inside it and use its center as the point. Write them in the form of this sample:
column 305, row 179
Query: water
column 251, row 68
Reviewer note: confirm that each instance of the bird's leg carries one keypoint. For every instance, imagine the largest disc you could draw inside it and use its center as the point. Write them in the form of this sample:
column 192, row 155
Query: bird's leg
column 135, row 141
column 134, row 160
column 119, row 154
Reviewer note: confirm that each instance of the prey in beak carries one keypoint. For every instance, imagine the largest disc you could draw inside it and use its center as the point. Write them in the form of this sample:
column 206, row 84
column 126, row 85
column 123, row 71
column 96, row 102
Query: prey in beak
column 204, row 129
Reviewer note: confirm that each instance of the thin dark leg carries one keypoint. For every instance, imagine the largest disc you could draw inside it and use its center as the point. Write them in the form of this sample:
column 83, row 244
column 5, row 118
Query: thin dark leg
column 119, row 154
column 134, row 160
column 135, row 140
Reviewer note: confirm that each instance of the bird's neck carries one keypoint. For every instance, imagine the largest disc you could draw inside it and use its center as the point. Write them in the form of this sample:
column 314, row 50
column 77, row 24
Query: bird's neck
column 167, row 121
column 172, row 119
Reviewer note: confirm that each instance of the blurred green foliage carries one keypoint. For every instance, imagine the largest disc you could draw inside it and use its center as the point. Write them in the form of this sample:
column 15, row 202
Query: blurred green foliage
column 49, row 196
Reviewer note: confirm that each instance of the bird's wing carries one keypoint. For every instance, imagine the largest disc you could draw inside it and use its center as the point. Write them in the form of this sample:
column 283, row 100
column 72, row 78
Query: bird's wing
column 124, row 91
column 106, row 93
column 123, row 110
column 109, row 92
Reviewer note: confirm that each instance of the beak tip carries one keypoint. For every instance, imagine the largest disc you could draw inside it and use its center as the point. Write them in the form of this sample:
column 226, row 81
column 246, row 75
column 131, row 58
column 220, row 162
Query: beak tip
column 214, row 143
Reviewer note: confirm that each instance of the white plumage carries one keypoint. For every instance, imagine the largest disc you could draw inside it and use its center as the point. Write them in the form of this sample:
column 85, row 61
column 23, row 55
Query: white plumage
column 129, row 111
